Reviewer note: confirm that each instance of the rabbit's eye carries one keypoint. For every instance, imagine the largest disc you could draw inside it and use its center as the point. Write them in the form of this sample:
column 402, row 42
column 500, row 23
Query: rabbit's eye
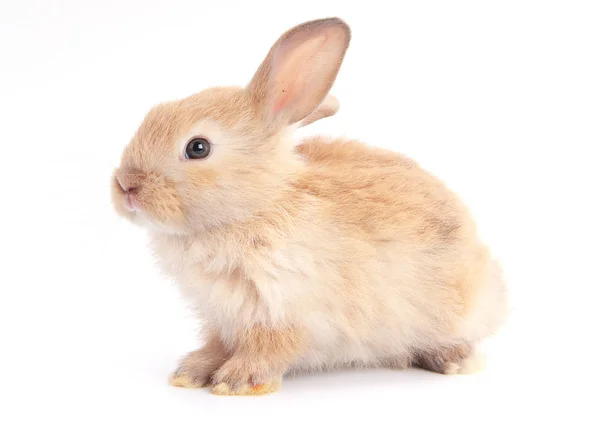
column 197, row 148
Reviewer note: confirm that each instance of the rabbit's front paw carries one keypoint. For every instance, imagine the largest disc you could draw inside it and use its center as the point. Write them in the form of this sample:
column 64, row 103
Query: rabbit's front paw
column 224, row 389
column 235, row 378
column 196, row 369
column 189, row 380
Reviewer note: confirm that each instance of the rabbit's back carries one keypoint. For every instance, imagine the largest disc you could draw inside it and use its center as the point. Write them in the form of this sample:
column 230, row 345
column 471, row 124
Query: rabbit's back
column 384, row 195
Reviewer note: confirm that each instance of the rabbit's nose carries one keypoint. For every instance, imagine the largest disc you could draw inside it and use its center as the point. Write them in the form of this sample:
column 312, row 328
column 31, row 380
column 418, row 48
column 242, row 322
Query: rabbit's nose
column 128, row 188
column 129, row 180
column 126, row 185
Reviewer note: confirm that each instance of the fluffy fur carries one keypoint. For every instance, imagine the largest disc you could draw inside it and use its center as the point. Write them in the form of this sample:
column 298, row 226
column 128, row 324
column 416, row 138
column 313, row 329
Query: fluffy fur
column 304, row 256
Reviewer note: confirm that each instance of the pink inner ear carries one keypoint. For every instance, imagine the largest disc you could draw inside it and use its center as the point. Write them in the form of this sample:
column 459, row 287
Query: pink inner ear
column 282, row 100
column 294, row 69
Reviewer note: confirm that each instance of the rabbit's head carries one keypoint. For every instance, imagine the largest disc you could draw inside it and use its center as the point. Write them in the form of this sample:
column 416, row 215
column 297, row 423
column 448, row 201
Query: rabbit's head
column 226, row 153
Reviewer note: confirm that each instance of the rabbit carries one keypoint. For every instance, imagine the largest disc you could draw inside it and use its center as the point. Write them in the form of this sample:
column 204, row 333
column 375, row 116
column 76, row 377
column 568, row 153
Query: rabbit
column 303, row 255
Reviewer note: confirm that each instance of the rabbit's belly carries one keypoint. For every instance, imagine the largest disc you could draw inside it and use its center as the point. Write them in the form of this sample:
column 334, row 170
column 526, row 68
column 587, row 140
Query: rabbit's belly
column 350, row 354
column 334, row 346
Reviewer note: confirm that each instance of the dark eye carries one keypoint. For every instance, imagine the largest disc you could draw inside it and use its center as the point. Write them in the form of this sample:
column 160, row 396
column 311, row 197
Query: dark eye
column 197, row 148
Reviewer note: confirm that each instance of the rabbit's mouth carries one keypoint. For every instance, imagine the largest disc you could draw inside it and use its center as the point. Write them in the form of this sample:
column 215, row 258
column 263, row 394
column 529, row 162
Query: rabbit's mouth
column 132, row 204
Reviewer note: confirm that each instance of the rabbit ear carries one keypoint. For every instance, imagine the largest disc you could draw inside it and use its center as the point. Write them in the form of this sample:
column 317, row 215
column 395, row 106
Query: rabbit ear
column 329, row 107
column 299, row 70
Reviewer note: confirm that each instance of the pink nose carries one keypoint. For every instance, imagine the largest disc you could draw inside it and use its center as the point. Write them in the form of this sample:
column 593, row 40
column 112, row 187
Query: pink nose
column 127, row 186
column 129, row 179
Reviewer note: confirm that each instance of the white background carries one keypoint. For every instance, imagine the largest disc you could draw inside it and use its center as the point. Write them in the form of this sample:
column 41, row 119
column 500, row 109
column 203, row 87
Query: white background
column 500, row 99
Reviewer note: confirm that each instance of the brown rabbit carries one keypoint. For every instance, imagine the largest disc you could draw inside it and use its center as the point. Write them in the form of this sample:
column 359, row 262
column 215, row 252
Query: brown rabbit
column 301, row 257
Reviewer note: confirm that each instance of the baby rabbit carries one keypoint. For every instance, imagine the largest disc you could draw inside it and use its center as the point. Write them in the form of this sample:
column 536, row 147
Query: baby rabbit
column 327, row 253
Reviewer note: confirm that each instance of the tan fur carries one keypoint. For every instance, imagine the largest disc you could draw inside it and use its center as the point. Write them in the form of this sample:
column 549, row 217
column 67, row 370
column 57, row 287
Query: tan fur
column 261, row 356
column 306, row 256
